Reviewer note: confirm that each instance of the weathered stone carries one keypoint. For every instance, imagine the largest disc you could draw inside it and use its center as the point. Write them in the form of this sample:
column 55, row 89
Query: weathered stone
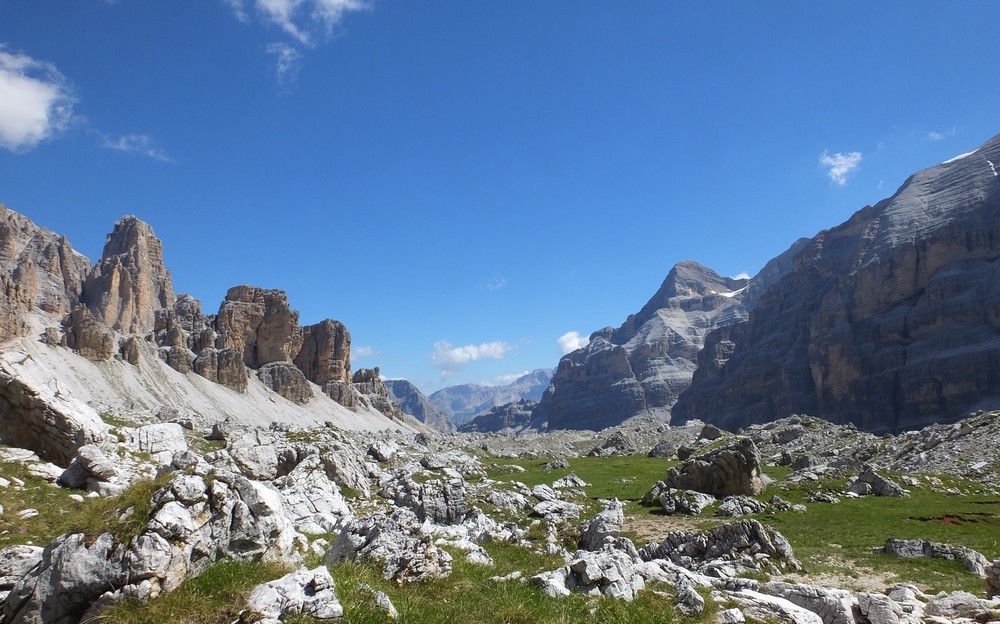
column 303, row 592
column 325, row 354
column 258, row 324
column 395, row 543
column 880, row 486
column 95, row 462
column 88, row 336
column 726, row 471
column 674, row 501
column 368, row 382
column 130, row 283
column 286, row 380
column 607, row 523
column 223, row 367
column 834, row 606
column 739, row 543
column 973, row 561
column 736, row 506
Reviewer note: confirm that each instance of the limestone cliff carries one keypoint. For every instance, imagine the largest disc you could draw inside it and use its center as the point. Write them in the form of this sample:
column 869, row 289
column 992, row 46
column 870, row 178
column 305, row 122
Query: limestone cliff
column 889, row 321
column 39, row 270
column 130, row 283
column 640, row 368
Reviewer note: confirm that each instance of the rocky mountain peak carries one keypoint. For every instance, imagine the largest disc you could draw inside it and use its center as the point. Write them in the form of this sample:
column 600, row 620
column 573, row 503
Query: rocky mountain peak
column 886, row 321
column 130, row 283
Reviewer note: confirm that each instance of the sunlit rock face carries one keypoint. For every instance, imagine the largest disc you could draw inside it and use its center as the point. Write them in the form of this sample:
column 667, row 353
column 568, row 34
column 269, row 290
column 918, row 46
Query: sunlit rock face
column 642, row 367
column 889, row 321
column 130, row 283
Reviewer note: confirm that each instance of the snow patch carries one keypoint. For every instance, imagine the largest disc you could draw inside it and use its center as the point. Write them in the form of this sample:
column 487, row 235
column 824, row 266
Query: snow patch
column 992, row 168
column 960, row 157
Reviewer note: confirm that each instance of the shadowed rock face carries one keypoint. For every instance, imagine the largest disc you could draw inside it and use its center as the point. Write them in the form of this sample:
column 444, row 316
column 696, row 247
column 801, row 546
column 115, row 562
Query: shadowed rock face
column 415, row 403
column 643, row 366
column 889, row 321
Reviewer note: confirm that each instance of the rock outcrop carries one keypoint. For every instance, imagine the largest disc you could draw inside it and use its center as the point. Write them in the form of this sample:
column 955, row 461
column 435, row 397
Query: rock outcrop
column 39, row 270
column 511, row 417
column 730, row 470
column 367, row 382
column 888, row 321
column 130, row 283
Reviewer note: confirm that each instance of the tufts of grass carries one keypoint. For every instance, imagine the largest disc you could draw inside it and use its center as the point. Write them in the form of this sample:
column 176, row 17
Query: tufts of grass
column 124, row 516
column 215, row 597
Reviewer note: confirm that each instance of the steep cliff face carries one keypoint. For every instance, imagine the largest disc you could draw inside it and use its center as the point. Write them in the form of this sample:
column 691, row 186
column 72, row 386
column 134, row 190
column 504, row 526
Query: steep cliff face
column 412, row 401
column 641, row 367
column 39, row 270
column 889, row 321
column 130, row 283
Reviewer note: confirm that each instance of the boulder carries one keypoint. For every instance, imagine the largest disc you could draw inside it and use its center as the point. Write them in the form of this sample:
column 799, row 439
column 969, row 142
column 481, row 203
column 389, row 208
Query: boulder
column 286, row 380
column 738, row 506
column 725, row 471
column 689, row 502
column 395, row 543
column 607, row 523
column 88, row 336
column 304, row 592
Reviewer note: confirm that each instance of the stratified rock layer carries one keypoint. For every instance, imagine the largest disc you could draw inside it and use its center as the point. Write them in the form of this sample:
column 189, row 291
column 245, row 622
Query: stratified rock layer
column 889, row 321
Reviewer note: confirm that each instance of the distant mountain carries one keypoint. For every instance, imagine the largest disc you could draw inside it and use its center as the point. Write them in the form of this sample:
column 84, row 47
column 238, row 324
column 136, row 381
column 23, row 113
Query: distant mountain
column 642, row 367
column 509, row 418
column 889, row 321
column 415, row 403
column 465, row 401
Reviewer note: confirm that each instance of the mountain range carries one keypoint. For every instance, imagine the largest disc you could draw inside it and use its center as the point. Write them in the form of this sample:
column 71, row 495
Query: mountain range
column 888, row 321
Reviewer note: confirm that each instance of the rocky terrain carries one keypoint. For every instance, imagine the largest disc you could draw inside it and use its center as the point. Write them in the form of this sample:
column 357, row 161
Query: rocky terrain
column 84, row 342
column 887, row 321
column 411, row 506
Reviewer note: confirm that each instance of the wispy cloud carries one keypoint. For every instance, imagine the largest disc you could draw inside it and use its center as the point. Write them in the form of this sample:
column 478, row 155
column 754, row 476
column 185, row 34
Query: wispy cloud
column 36, row 101
column 287, row 62
column 306, row 21
column 742, row 275
column 496, row 283
column 509, row 378
column 571, row 341
column 839, row 165
column 136, row 144
column 940, row 136
column 362, row 351
column 449, row 358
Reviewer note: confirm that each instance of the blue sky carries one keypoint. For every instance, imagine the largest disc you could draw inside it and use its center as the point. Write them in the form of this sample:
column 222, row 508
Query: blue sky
column 463, row 183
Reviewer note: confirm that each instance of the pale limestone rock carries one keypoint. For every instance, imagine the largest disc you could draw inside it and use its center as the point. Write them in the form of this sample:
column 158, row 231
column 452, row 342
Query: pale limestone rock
column 303, row 592
column 130, row 283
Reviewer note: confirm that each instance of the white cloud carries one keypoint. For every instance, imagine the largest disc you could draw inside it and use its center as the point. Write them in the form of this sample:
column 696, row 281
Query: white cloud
column 571, row 341
column 503, row 380
column 287, row 62
column 36, row 101
column 449, row 358
column 742, row 275
column 306, row 21
column 362, row 351
column 138, row 144
column 840, row 165
column 940, row 136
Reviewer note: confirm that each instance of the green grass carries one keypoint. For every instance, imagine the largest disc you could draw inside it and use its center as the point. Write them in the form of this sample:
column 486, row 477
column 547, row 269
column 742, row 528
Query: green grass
column 469, row 596
column 214, row 597
column 56, row 508
column 828, row 534
column 61, row 514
